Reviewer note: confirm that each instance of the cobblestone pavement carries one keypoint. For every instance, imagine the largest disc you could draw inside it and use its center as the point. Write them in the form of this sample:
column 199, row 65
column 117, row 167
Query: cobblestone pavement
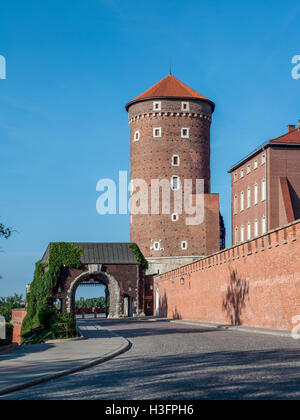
column 175, row 361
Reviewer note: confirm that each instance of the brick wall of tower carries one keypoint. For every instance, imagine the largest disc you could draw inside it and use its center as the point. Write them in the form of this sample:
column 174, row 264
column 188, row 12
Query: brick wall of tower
column 151, row 158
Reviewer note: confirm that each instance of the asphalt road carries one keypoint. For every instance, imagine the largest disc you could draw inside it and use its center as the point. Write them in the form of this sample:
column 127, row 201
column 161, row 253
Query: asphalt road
column 174, row 361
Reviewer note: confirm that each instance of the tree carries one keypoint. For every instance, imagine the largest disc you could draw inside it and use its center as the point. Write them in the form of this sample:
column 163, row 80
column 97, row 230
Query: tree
column 5, row 232
column 9, row 303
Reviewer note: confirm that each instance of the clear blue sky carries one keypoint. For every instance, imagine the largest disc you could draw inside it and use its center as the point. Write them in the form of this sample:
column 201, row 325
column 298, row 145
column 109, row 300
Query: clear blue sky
column 71, row 68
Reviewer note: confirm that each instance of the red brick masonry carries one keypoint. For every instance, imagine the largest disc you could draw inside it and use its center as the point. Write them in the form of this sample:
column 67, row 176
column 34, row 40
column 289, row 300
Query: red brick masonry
column 255, row 284
column 17, row 318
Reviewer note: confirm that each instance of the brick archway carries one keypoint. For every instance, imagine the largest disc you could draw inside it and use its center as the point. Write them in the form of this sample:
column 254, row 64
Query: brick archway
column 106, row 279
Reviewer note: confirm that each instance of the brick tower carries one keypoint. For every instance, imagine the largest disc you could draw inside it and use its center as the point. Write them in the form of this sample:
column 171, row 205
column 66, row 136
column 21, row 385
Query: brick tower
column 170, row 140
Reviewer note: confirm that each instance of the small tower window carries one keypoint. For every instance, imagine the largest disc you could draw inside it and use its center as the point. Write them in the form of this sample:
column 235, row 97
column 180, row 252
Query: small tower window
column 255, row 165
column 136, row 136
column 248, row 169
column 184, row 245
column 156, row 132
column 156, row 106
column 185, row 133
column 263, row 159
column 175, row 217
column 185, row 106
column 175, row 160
column 175, row 183
column 156, row 246
column 242, row 173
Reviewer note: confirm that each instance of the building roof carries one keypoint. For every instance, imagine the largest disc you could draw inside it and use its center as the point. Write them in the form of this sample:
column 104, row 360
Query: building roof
column 169, row 87
column 292, row 138
column 102, row 253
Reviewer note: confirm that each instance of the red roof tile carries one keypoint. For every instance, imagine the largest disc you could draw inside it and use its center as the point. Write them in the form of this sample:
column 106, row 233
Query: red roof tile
column 293, row 137
column 169, row 87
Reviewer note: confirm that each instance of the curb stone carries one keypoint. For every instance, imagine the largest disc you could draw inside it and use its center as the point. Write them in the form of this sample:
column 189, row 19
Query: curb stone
column 249, row 330
column 122, row 349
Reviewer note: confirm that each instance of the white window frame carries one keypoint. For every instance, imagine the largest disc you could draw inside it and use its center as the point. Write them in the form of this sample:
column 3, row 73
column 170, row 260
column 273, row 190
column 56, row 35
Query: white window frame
column 242, row 201
column 248, row 169
column 178, row 160
column 255, row 164
column 248, row 198
column 264, row 225
column 156, row 248
column 178, row 183
column 263, row 190
column 174, row 217
column 255, row 228
column 235, row 204
column 137, row 135
column 255, row 194
column 249, row 231
column 158, row 104
column 183, row 104
column 187, row 136
column 236, row 233
column 242, row 173
column 156, row 136
column 263, row 159
column 235, row 177
column 184, row 245
column 242, row 234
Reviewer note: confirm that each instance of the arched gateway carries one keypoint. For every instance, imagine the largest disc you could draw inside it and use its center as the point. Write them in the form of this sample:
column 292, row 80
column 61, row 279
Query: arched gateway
column 112, row 264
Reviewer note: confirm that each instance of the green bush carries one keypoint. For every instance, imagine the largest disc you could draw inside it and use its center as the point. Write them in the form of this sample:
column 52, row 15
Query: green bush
column 45, row 281
column 46, row 317
column 68, row 319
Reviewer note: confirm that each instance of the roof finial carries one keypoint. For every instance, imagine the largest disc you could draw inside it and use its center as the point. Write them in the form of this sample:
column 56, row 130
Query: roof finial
column 170, row 67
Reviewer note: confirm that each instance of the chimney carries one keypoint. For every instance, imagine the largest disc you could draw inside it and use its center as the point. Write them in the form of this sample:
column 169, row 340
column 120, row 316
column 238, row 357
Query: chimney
column 292, row 127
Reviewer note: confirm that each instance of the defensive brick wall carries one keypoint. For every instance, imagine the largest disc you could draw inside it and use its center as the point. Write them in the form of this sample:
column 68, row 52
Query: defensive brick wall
column 254, row 284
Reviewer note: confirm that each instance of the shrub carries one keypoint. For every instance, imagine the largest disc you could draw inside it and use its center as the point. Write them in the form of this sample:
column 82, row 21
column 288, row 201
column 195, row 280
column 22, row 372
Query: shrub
column 68, row 319
column 45, row 281
column 46, row 317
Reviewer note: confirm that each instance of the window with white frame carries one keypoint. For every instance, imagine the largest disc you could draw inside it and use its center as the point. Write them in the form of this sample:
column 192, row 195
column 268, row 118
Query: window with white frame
column 175, row 217
column 264, row 225
column 255, row 165
column 242, row 201
column 157, row 132
column 175, row 160
column 255, row 194
column 235, row 204
column 184, row 245
column 156, row 246
column 242, row 234
column 236, row 231
column 249, row 231
column 185, row 133
column 248, row 169
column 263, row 190
column 242, row 173
column 156, row 106
column 136, row 136
column 256, row 228
column 248, row 197
column 235, row 177
column 185, row 106
column 263, row 159
column 175, row 183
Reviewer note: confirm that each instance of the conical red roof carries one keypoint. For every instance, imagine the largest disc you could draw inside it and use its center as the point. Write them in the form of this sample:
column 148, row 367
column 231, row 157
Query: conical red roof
column 169, row 87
